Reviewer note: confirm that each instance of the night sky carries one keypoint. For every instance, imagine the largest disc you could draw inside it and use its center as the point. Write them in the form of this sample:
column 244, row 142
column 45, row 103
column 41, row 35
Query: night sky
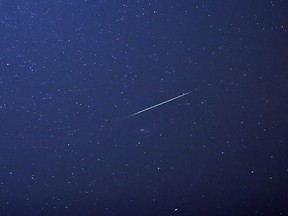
column 72, row 71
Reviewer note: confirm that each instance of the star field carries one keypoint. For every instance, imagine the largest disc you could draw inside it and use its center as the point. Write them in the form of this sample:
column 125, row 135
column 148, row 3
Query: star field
column 72, row 71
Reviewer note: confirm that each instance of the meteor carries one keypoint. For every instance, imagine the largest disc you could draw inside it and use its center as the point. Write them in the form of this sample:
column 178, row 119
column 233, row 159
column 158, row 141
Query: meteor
column 159, row 104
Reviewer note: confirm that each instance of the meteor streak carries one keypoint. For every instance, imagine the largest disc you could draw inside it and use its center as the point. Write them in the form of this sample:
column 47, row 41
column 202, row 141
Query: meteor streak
column 164, row 102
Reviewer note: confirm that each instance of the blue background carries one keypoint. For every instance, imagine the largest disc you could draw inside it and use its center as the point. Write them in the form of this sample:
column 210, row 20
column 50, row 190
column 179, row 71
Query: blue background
column 71, row 71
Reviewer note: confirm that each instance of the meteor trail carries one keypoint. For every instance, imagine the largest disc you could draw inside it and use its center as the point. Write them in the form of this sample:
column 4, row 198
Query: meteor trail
column 164, row 102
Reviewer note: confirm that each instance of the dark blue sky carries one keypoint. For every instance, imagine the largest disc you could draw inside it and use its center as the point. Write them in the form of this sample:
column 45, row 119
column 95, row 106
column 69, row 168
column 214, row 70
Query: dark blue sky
column 73, row 70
